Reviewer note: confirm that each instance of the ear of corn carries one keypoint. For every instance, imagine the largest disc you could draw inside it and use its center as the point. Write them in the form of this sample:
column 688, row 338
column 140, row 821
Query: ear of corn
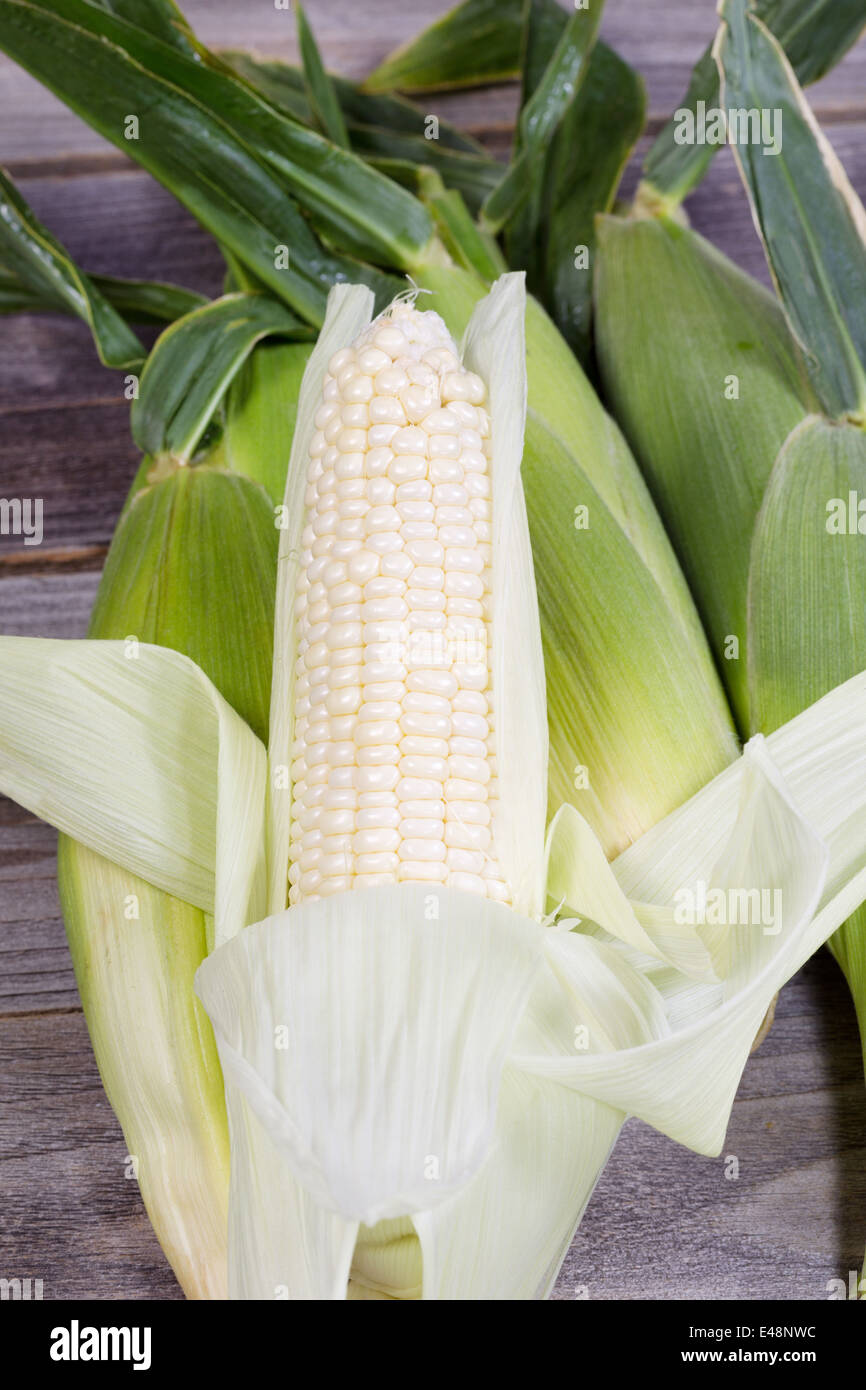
column 192, row 566
column 706, row 383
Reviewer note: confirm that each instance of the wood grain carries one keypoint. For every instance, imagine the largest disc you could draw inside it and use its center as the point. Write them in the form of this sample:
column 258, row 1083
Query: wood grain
column 795, row 1217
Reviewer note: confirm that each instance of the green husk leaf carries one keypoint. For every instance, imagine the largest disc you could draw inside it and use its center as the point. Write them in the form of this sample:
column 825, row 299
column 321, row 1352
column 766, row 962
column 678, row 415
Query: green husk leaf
column 104, row 68
column 807, row 581
column 475, row 43
column 814, row 34
column 192, row 364
column 191, row 567
column 320, row 90
column 260, row 412
column 811, row 221
column 540, row 119
column 701, row 370
column 45, row 269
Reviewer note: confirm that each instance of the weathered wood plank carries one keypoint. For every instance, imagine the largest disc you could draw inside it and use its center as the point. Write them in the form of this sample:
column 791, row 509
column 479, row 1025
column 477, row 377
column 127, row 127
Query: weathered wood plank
column 70, row 1216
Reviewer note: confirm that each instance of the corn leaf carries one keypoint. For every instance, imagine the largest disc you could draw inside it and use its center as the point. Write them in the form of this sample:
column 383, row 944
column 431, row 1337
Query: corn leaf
column 135, row 951
column 815, row 34
column 366, row 214
column 80, row 53
column 477, row 42
column 541, row 117
column 192, row 364
column 556, row 241
column 811, row 221
column 320, row 91
column 383, row 129
column 283, row 86
column 468, row 244
column 137, row 301
column 37, row 261
column 129, row 749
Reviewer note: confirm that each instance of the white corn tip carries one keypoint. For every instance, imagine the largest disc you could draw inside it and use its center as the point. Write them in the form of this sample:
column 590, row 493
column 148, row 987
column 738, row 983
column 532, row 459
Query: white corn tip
column 393, row 760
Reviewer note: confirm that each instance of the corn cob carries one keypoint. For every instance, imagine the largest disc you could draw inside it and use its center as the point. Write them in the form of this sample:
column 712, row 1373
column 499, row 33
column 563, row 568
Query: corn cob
column 394, row 757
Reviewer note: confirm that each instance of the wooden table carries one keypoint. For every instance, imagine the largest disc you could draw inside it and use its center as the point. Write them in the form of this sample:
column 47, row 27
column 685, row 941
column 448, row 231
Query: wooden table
column 663, row 1223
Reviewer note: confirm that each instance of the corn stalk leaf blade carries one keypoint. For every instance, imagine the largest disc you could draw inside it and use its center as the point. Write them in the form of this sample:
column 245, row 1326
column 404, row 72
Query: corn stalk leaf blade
column 36, row 261
column 192, row 365
column 585, row 160
column 811, row 221
column 540, row 119
column 815, row 34
column 475, row 43
column 321, row 96
column 383, row 129
column 104, row 68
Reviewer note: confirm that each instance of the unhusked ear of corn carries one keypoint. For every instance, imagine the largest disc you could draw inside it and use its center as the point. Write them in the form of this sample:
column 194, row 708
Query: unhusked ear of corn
column 192, row 566
column 704, row 377
column 394, row 757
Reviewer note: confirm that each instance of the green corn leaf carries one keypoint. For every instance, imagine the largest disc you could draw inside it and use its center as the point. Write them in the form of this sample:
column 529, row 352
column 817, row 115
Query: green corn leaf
column 161, row 18
column 79, row 52
column 585, row 161
column 368, row 215
column 148, row 301
column 137, row 301
column 541, row 117
column 34, row 259
column 382, row 129
column 283, row 86
column 815, row 34
column 477, row 42
column 811, row 221
column 320, row 90
column 468, row 244
column 192, row 365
